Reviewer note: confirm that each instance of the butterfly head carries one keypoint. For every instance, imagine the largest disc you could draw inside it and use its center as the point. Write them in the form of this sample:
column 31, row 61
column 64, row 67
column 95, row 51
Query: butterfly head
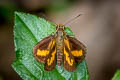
column 60, row 27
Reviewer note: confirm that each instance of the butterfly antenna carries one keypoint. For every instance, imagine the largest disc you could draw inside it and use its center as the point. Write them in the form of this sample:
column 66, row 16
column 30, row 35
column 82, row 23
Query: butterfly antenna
column 68, row 22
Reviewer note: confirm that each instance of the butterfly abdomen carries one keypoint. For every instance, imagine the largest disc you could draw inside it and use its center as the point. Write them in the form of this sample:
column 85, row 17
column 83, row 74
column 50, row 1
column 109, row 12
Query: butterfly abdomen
column 59, row 57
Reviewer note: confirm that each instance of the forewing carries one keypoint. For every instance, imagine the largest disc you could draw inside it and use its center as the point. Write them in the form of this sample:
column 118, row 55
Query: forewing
column 78, row 50
column 69, row 62
column 42, row 49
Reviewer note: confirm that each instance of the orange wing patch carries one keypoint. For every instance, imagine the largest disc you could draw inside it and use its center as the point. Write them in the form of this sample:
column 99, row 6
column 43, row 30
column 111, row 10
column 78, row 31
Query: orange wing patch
column 70, row 61
column 52, row 58
column 67, row 43
column 51, row 44
column 42, row 52
column 77, row 53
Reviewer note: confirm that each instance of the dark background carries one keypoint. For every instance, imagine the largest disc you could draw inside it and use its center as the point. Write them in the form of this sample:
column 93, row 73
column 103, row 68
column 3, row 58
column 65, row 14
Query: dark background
column 98, row 28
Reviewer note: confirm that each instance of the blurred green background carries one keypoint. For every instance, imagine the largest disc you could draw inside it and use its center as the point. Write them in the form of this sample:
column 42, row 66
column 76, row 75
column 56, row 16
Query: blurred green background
column 98, row 28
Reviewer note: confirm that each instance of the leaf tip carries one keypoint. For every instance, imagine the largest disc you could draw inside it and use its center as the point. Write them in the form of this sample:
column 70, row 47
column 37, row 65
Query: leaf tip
column 18, row 13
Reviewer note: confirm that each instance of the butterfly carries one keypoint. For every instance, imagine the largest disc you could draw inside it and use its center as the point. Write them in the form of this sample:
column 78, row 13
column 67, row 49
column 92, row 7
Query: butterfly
column 59, row 49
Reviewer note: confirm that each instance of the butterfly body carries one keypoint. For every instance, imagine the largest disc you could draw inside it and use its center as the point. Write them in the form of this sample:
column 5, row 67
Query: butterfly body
column 58, row 49
column 59, row 46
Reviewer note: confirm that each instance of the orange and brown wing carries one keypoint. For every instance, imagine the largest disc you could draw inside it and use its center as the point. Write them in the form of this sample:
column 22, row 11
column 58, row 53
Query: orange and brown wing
column 69, row 61
column 78, row 50
column 42, row 49
column 45, row 52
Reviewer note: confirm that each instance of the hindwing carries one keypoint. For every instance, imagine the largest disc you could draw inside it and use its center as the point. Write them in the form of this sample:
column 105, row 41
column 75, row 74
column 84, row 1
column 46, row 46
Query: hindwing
column 78, row 50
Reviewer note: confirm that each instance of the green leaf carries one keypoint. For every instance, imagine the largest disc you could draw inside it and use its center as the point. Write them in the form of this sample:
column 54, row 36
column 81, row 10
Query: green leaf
column 28, row 31
column 117, row 75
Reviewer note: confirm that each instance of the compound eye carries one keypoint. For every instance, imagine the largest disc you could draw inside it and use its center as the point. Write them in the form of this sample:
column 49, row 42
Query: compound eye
column 63, row 27
column 57, row 27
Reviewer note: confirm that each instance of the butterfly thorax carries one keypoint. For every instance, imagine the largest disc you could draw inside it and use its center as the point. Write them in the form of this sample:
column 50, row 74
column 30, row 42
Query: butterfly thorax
column 60, row 44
